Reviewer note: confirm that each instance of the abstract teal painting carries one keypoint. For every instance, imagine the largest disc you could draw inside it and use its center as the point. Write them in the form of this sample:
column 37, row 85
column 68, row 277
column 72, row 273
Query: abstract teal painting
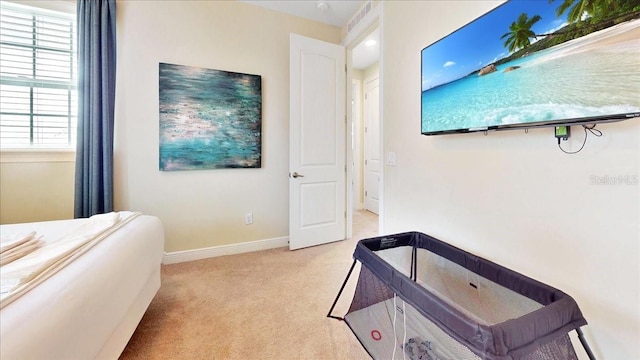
column 209, row 119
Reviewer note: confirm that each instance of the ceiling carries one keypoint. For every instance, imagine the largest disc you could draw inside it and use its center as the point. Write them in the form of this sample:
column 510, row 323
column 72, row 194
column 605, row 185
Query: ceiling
column 335, row 13
column 366, row 53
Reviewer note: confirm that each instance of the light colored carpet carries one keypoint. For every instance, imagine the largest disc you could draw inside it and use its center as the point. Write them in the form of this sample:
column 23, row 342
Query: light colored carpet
column 263, row 305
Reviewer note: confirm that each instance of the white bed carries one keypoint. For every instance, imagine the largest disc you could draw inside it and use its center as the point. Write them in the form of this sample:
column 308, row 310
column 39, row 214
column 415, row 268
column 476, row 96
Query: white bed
column 91, row 307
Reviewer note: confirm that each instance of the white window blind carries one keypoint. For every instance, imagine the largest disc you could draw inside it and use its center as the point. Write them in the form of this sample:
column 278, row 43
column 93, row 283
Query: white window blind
column 38, row 87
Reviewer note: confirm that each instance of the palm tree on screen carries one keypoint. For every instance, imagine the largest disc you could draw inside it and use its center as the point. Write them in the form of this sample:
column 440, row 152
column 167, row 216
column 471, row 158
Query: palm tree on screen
column 578, row 8
column 520, row 32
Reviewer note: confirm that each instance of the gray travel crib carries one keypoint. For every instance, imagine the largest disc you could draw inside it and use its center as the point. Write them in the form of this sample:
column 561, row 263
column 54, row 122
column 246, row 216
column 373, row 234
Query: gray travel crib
column 419, row 298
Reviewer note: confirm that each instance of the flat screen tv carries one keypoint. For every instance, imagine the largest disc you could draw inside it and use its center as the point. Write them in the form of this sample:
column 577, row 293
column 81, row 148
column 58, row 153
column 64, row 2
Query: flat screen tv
column 534, row 63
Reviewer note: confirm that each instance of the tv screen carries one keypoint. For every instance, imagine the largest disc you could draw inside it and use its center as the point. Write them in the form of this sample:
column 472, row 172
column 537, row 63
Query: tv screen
column 534, row 63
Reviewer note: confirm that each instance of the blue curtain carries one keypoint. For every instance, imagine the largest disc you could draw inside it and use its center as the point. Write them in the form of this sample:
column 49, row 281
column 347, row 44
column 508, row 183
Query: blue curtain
column 96, row 98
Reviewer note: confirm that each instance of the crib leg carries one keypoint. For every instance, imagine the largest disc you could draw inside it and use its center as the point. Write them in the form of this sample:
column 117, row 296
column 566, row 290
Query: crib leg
column 340, row 292
column 586, row 347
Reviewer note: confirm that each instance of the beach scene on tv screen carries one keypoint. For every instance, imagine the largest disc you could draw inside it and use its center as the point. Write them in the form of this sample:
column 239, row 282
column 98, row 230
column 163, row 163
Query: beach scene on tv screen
column 534, row 61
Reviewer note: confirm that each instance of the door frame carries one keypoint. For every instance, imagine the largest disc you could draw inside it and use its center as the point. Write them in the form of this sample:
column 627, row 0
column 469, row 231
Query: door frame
column 366, row 117
column 356, row 145
column 373, row 20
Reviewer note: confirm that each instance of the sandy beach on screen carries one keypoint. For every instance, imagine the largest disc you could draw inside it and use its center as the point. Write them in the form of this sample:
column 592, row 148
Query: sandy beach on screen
column 627, row 32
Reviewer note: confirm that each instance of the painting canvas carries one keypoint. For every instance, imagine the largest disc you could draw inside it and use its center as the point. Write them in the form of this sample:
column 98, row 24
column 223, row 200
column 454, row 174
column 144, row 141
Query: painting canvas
column 209, row 119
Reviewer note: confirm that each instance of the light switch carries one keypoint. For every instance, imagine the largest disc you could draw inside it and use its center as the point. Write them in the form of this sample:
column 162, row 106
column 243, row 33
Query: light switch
column 391, row 158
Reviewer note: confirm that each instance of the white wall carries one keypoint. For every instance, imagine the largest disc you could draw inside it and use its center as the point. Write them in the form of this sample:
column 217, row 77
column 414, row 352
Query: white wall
column 205, row 208
column 511, row 197
column 36, row 187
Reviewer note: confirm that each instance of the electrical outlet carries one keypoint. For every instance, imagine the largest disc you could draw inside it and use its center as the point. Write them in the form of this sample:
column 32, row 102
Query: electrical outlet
column 248, row 218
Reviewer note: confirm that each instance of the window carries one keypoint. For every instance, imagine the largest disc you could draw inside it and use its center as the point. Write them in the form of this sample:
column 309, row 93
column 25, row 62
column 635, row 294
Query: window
column 38, row 87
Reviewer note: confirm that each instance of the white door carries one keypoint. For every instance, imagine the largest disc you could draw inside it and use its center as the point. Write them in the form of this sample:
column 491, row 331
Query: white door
column 372, row 152
column 317, row 125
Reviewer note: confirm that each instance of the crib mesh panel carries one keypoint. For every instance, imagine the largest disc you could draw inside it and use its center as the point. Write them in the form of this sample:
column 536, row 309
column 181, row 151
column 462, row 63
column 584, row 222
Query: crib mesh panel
column 370, row 289
column 560, row 348
column 386, row 325
column 389, row 328
column 480, row 299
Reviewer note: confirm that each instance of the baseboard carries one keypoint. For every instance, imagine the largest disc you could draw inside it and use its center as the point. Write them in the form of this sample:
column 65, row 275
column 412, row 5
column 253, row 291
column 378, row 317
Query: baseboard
column 215, row 251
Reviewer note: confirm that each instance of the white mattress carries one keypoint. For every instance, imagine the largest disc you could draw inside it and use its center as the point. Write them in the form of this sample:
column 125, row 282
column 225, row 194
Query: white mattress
column 90, row 308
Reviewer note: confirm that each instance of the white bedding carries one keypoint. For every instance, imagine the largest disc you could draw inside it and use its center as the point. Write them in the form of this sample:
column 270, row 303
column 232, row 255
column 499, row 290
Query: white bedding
column 16, row 246
column 56, row 252
column 90, row 308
